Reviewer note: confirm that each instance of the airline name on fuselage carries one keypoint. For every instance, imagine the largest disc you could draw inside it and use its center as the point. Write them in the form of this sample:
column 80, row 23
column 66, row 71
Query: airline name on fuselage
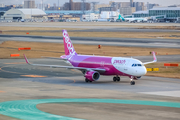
column 119, row 62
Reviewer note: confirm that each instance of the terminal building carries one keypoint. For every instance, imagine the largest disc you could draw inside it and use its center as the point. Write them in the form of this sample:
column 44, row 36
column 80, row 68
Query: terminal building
column 160, row 13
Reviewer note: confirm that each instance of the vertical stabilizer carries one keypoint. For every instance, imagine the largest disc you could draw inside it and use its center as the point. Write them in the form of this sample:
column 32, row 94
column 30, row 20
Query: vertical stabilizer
column 68, row 46
column 120, row 17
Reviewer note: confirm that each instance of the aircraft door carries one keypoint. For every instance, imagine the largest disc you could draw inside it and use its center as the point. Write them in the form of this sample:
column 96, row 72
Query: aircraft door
column 126, row 66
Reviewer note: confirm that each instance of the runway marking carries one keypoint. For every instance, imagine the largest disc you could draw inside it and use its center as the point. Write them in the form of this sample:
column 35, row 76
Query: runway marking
column 33, row 76
column 69, row 79
column 164, row 93
column 75, row 71
column 2, row 91
column 27, row 110
column 16, row 63
column 10, row 71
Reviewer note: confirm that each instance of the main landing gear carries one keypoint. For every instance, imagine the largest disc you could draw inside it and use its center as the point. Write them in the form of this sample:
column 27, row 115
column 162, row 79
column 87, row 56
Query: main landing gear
column 116, row 79
column 86, row 80
column 132, row 82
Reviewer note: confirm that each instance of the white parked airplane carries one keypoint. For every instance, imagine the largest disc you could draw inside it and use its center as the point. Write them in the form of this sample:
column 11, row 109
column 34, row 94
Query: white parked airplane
column 132, row 19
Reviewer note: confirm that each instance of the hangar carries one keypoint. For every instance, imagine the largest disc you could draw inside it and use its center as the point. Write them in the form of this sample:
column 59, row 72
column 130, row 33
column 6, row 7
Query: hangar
column 15, row 14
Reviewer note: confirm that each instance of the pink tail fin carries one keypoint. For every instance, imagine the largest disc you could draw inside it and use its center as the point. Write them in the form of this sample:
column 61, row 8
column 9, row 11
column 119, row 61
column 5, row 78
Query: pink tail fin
column 68, row 46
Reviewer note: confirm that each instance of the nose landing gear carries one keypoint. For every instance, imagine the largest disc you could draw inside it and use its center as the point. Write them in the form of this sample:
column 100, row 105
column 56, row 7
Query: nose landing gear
column 132, row 82
column 116, row 79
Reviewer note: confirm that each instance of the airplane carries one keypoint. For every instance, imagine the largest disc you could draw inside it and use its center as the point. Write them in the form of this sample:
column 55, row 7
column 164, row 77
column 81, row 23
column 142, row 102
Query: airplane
column 94, row 66
column 132, row 19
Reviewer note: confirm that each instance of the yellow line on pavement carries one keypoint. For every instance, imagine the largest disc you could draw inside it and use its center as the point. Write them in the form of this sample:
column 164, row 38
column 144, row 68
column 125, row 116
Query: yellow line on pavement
column 33, row 76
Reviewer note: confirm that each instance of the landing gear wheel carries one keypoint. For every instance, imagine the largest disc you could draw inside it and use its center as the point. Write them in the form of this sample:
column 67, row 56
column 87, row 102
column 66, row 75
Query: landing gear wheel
column 118, row 79
column 114, row 79
column 132, row 82
column 86, row 80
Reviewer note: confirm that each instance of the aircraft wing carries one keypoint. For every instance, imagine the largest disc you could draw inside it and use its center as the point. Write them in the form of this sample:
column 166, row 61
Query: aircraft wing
column 155, row 59
column 54, row 58
column 68, row 67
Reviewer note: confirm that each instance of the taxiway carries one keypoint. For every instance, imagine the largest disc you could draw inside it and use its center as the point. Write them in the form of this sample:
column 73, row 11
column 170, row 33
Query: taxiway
column 20, row 81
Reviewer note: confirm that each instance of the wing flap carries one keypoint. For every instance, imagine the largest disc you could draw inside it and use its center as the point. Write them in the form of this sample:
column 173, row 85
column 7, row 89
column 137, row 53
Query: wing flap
column 54, row 58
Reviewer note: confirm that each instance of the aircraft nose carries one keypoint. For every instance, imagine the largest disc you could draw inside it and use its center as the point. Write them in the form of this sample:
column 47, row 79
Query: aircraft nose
column 144, row 71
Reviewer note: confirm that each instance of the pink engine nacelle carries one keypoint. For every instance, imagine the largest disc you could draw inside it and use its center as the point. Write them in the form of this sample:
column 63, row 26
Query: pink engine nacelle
column 92, row 75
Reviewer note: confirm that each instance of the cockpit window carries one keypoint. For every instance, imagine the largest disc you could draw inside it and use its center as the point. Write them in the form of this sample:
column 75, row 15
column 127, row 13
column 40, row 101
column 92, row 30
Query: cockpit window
column 139, row 65
column 134, row 65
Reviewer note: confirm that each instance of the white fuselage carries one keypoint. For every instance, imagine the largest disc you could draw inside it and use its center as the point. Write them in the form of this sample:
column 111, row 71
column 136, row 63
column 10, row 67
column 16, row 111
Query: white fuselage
column 129, row 66
column 136, row 19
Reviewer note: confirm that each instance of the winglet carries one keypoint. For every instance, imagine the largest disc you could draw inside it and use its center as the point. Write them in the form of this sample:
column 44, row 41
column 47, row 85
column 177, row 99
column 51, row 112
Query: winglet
column 154, row 55
column 26, row 59
column 155, row 59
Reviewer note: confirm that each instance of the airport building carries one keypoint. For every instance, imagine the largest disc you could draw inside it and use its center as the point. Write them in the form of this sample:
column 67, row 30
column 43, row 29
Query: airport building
column 141, row 14
column 166, row 13
column 170, row 12
column 6, row 8
column 15, row 14
column 90, row 17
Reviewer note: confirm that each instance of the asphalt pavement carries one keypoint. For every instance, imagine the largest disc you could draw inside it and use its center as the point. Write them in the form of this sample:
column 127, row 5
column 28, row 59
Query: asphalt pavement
column 128, row 42
column 55, row 93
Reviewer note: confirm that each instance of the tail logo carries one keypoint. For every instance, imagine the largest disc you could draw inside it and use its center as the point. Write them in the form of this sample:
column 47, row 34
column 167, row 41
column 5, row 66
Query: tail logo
column 68, row 42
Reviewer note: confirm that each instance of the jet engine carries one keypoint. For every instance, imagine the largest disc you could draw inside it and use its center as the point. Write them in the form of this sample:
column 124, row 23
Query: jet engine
column 92, row 75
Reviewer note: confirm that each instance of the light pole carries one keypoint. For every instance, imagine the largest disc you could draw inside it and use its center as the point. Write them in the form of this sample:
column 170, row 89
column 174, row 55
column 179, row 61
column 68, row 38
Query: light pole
column 42, row 5
column 31, row 14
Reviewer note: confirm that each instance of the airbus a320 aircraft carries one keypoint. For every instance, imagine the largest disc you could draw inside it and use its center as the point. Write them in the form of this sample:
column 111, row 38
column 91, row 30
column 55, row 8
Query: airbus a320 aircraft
column 94, row 66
